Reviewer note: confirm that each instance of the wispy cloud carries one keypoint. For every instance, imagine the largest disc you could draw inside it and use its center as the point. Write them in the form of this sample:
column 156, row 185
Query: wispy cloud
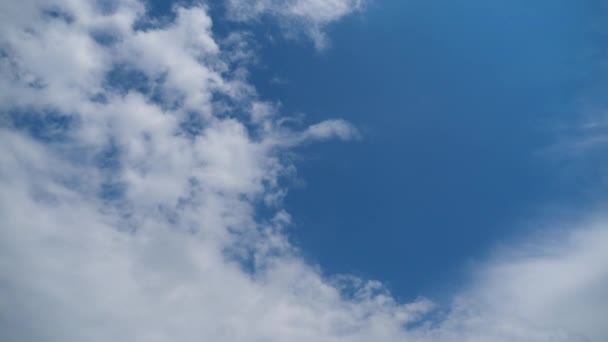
column 297, row 16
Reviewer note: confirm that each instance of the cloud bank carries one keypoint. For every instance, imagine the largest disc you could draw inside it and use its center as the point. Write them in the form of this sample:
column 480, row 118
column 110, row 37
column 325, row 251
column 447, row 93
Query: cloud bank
column 134, row 156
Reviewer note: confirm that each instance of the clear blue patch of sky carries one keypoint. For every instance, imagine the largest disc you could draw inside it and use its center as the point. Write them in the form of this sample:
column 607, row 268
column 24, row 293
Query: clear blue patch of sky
column 45, row 126
column 455, row 100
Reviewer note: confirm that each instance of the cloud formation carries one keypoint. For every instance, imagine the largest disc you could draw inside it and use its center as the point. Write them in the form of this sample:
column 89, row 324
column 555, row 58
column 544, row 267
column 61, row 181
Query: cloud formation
column 134, row 157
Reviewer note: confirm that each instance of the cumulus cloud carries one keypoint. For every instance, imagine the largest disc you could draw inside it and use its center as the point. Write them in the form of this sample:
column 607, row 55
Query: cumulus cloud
column 297, row 16
column 134, row 156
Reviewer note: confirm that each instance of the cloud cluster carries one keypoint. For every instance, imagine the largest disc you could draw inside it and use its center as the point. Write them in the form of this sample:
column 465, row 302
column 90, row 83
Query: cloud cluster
column 134, row 156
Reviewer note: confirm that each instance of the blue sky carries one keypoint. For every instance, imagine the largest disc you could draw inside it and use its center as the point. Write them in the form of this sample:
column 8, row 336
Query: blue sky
column 457, row 103
column 303, row 170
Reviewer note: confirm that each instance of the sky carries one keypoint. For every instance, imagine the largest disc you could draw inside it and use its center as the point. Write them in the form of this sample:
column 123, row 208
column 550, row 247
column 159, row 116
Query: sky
column 303, row 170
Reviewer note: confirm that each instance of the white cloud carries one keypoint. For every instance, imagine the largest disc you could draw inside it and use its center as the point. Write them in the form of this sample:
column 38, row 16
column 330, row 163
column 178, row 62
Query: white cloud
column 554, row 289
column 329, row 129
column 176, row 253
column 307, row 16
